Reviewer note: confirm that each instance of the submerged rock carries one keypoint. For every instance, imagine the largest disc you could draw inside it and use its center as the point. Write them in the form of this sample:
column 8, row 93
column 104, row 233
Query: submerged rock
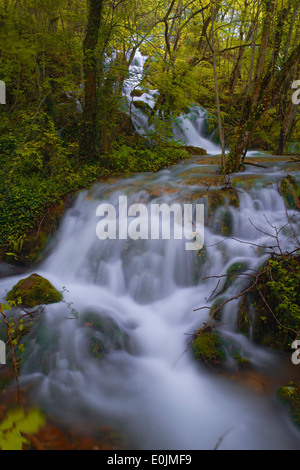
column 289, row 395
column 290, row 191
column 33, row 291
column 207, row 346
column 103, row 333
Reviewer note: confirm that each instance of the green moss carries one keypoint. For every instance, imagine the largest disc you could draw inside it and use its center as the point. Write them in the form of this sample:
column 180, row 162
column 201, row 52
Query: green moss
column 275, row 304
column 216, row 304
column 136, row 93
column 241, row 361
column 142, row 106
column 195, row 151
column 233, row 271
column 33, row 291
column 207, row 346
column 226, row 223
column 290, row 396
column 216, row 199
column 290, row 191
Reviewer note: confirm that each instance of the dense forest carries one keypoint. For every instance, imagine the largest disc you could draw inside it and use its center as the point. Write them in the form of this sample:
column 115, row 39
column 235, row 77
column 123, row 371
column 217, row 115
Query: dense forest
column 66, row 124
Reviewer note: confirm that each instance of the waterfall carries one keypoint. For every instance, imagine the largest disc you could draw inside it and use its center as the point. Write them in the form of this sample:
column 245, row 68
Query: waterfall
column 148, row 385
column 187, row 128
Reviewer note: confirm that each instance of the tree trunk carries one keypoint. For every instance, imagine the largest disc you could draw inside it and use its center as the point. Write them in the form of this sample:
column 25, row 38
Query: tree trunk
column 221, row 130
column 289, row 111
column 268, row 95
column 88, row 137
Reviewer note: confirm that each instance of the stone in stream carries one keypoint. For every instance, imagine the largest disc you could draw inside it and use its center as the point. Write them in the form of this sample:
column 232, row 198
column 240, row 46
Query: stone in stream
column 290, row 191
column 33, row 291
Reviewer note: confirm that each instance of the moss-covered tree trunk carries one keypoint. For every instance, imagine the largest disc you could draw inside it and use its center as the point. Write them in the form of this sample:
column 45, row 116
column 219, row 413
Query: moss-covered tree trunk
column 88, row 137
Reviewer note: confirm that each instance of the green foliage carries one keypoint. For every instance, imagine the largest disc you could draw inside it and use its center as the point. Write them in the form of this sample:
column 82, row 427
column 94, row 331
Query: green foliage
column 17, row 425
column 129, row 159
column 283, row 284
column 275, row 302
column 289, row 395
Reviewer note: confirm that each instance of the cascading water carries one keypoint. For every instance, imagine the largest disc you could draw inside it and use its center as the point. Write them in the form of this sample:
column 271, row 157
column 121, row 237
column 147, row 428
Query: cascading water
column 146, row 293
column 149, row 386
column 188, row 128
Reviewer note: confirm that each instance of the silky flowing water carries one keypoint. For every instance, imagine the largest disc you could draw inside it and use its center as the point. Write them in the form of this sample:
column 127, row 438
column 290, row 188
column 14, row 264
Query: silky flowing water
column 149, row 387
column 153, row 390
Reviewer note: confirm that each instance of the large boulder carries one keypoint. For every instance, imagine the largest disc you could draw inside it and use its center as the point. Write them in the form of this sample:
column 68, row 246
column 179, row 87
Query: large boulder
column 33, row 291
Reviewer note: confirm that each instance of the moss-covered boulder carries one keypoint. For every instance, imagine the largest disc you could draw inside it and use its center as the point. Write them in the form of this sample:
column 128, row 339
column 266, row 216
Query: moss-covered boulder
column 234, row 271
column 195, row 151
column 33, row 291
column 136, row 93
column 270, row 313
column 289, row 395
column 290, row 191
column 143, row 106
column 207, row 346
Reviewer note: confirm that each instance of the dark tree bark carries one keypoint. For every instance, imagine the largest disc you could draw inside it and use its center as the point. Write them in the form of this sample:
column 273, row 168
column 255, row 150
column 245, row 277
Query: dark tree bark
column 265, row 95
column 88, row 137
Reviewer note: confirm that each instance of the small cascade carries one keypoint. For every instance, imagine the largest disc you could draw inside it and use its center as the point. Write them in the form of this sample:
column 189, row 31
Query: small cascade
column 147, row 292
column 188, row 128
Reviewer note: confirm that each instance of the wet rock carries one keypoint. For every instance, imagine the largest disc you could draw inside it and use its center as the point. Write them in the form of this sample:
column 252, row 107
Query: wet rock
column 196, row 151
column 103, row 333
column 290, row 191
column 136, row 93
column 143, row 106
column 207, row 346
column 289, row 395
column 216, row 309
column 269, row 314
column 233, row 271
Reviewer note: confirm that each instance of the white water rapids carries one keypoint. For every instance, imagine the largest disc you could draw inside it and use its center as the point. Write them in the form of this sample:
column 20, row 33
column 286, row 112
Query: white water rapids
column 155, row 392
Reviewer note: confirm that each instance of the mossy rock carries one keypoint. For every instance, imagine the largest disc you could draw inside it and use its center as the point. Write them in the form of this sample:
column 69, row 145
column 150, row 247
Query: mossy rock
column 216, row 304
column 241, row 360
column 195, row 151
column 227, row 223
column 33, row 291
column 207, row 346
column 290, row 191
column 233, row 271
column 142, row 105
column 136, row 93
column 223, row 221
column 215, row 200
column 290, row 396
column 103, row 333
column 220, row 198
column 271, row 310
